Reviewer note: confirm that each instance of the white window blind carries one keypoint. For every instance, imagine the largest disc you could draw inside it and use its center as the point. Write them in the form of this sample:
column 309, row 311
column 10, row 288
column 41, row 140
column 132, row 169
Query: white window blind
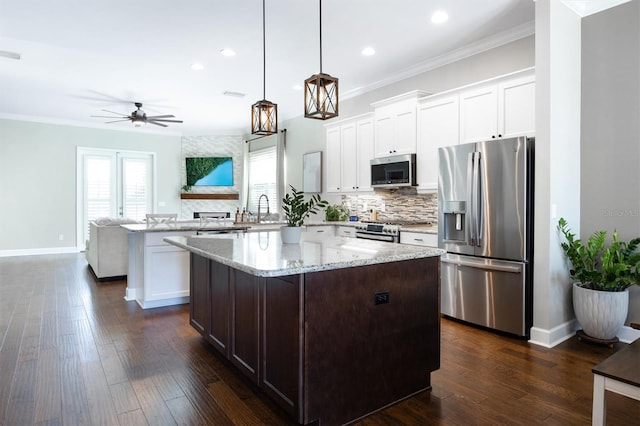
column 262, row 171
column 136, row 178
column 100, row 187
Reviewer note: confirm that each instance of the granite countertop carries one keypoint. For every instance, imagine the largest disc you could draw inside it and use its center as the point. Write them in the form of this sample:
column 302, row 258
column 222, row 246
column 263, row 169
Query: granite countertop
column 263, row 254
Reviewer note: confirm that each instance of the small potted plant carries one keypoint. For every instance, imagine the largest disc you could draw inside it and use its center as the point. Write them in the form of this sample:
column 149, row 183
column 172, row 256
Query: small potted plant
column 603, row 275
column 296, row 210
column 336, row 212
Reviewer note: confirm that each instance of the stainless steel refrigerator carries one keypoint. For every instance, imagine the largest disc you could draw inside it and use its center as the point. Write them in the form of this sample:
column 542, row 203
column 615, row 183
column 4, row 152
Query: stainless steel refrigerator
column 485, row 223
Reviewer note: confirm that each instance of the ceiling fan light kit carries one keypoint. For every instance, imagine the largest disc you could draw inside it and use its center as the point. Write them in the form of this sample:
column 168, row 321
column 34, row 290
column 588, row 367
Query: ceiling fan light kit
column 264, row 114
column 321, row 90
column 139, row 117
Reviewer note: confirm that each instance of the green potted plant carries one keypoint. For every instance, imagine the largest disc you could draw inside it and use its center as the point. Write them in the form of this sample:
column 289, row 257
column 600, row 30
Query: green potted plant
column 296, row 210
column 336, row 212
column 602, row 273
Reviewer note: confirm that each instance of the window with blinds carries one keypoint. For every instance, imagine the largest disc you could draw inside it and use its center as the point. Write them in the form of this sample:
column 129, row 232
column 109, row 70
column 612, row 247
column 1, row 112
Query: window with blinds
column 100, row 187
column 262, row 177
column 136, row 176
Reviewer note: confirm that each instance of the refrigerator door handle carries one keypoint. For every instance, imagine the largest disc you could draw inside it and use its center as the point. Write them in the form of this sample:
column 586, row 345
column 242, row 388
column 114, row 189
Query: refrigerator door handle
column 470, row 214
column 479, row 213
column 516, row 269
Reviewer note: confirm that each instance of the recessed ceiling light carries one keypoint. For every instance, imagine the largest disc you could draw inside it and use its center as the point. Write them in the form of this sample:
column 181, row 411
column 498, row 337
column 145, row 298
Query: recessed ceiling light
column 439, row 17
column 296, row 87
column 197, row 66
column 227, row 52
column 368, row 51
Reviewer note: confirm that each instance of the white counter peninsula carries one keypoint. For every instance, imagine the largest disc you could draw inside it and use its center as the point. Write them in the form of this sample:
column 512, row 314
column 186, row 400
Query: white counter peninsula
column 158, row 273
column 332, row 328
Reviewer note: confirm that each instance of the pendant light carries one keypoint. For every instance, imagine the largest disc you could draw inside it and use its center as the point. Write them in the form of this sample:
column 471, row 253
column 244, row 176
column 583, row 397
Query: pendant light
column 264, row 114
column 321, row 91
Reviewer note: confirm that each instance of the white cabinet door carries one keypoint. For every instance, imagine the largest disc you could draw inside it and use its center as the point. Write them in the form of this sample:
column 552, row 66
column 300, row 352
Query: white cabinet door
column 517, row 107
column 395, row 129
column 384, row 143
column 479, row 114
column 365, row 137
column 349, row 148
column 438, row 126
column 334, row 163
column 345, row 231
column 419, row 239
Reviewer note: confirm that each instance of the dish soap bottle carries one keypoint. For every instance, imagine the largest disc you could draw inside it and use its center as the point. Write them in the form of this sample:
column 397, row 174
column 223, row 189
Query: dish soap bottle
column 237, row 214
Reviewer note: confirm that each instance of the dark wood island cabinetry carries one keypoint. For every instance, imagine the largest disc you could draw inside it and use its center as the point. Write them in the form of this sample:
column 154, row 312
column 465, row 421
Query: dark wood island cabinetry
column 329, row 345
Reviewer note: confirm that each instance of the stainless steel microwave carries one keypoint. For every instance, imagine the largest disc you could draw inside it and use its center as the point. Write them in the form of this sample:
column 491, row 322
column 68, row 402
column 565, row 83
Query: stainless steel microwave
column 395, row 171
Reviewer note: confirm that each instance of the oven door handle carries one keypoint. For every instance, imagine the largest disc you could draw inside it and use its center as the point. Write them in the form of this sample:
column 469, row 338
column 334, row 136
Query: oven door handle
column 377, row 237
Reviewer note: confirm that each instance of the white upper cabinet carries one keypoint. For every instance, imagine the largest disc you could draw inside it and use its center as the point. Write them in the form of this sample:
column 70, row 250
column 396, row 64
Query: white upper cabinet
column 395, row 125
column 438, row 126
column 500, row 109
column 334, row 160
column 349, row 151
column 517, row 107
column 365, row 138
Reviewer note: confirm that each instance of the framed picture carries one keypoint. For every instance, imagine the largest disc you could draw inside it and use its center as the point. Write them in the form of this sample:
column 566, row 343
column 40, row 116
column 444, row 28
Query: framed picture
column 312, row 172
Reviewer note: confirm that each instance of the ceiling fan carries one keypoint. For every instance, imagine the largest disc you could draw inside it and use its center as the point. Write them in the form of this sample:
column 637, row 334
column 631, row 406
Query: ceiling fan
column 139, row 117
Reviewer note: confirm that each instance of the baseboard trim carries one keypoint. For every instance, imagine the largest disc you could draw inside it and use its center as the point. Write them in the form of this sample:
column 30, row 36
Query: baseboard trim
column 555, row 336
column 39, row 251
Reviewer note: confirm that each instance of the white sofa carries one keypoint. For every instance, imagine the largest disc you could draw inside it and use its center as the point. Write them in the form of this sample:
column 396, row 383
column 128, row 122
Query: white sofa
column 108, row 250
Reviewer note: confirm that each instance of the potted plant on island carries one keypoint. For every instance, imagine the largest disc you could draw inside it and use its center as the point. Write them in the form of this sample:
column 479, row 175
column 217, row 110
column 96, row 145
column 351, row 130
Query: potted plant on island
column 603, row 275
column 296, row 210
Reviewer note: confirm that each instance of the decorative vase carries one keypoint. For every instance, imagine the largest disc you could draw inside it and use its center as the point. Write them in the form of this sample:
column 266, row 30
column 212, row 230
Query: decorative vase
column 600, row 313
column 290, row 234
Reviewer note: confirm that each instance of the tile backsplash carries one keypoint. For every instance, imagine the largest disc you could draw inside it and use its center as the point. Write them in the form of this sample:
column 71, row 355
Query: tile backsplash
column 400, row 204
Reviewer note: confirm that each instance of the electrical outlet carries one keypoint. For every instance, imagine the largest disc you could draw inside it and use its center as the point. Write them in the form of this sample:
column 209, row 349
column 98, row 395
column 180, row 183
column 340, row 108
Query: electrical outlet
column 382, row 207
column 381, row 298
column 60, row 237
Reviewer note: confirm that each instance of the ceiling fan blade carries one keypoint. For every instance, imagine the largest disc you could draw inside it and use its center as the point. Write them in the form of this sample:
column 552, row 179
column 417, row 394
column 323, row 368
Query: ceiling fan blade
column 113, row 112
column 116, row 121
column 104, row 116
column 157, row 124
column 165, row 121
column 153, row 117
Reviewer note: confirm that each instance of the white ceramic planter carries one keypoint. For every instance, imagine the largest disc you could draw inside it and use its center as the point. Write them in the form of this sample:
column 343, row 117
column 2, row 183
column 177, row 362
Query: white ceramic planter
column 600, row 313
column 290, row 234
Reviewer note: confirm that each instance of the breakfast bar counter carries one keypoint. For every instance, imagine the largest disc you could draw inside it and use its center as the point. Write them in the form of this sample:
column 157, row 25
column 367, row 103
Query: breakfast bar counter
column 332, row 328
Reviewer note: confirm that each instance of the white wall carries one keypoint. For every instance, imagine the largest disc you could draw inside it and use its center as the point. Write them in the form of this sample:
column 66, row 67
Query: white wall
column 610, row 154
column 557, row 182
column 38, row 180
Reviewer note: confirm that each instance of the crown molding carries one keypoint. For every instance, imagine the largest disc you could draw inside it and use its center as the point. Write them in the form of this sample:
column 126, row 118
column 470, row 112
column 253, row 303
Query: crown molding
column 500, row 39
column 589, row 7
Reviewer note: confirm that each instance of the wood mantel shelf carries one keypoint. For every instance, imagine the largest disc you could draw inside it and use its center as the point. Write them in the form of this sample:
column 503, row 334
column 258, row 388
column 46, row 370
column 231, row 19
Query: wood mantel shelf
column 185, row 196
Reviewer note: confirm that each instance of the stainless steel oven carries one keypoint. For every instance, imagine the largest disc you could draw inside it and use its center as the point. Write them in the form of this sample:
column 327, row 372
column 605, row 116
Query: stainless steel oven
column 378, row 231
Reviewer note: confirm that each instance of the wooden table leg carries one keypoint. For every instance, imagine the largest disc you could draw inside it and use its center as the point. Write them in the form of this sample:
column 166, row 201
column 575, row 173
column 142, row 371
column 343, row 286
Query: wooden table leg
column 599, row 410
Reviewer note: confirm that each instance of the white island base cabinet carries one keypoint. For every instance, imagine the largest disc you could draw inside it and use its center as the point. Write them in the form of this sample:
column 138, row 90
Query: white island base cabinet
column 158, row 272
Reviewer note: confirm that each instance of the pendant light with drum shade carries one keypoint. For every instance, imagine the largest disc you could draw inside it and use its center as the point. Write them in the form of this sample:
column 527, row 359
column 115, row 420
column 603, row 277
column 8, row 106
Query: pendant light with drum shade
column 321, row 91
column 264, row 114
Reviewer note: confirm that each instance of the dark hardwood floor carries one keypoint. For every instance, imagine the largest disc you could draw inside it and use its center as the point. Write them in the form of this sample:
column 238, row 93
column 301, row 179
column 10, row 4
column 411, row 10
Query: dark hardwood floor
column 74, row 352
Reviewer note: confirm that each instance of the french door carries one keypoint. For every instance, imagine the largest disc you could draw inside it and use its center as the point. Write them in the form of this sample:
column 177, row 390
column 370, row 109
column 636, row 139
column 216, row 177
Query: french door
column 116, row 184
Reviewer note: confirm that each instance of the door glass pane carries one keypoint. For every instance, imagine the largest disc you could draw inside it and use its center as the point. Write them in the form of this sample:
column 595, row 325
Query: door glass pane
column 136, row 188
column 99, row 184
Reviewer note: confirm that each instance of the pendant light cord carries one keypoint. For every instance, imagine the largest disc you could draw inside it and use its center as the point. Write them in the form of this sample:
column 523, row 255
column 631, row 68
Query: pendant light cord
column 320, row 2
column 264, row 57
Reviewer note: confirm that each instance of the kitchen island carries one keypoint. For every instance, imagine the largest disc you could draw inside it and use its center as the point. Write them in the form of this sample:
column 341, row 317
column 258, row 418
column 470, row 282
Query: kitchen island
column 332, row 329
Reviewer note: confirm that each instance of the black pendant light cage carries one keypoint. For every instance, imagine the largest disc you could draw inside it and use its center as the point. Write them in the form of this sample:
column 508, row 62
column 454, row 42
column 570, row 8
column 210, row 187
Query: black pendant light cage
column 264, row 114
column 264, row 118
column 321, row 91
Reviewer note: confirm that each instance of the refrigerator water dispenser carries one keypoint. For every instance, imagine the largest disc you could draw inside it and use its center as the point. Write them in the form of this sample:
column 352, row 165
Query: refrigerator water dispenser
column 454, row 223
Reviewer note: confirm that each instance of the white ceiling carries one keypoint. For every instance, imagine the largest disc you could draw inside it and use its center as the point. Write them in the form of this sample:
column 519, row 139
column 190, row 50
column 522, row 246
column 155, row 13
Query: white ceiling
column 81, row 56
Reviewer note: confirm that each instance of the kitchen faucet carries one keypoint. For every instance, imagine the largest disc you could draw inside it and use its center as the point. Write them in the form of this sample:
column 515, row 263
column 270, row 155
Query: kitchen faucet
column 259, row 200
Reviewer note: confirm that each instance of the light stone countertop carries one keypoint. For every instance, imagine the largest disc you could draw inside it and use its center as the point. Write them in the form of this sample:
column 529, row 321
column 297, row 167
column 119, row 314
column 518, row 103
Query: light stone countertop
column 263, row 254
column 423, row 229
